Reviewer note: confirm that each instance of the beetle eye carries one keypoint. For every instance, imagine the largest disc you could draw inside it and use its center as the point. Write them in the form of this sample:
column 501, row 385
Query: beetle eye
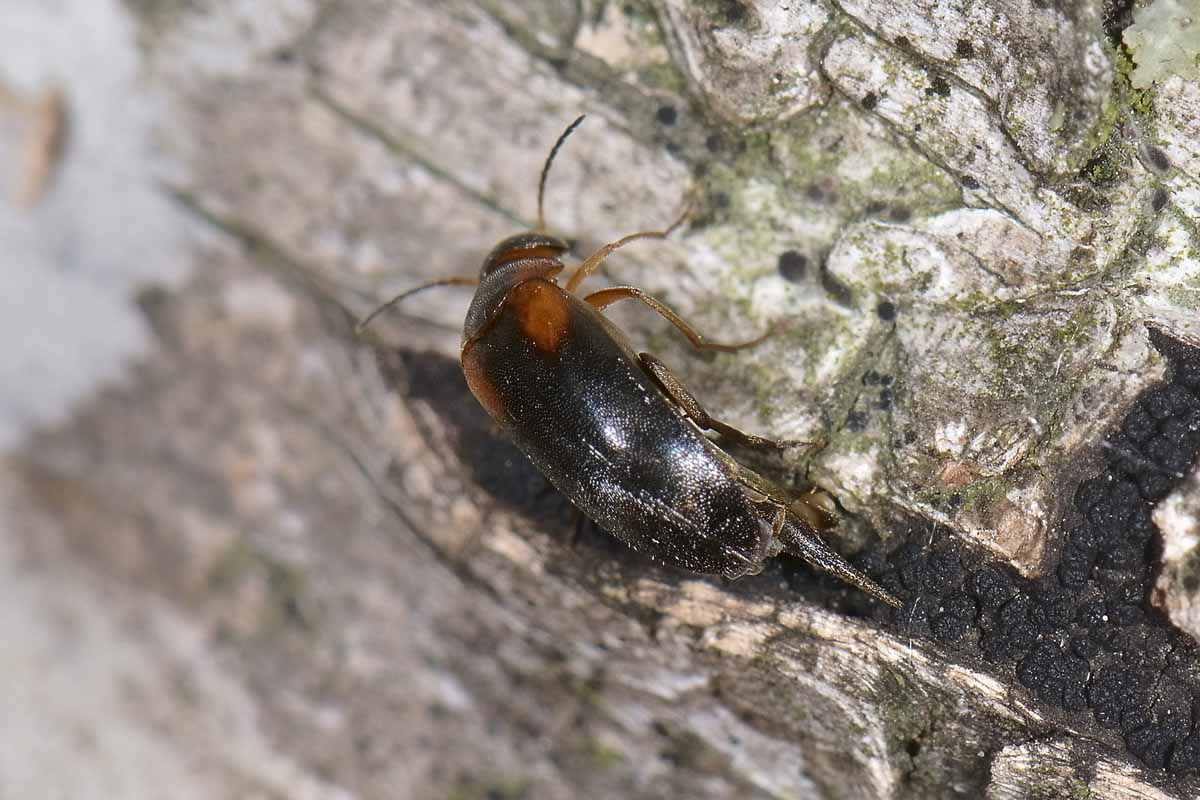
column 523, row 246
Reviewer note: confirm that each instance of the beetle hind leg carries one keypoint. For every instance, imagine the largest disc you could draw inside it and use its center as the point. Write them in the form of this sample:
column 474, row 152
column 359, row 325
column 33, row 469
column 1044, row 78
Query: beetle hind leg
column 792, row 533
column 687, row 402
column 791, row 529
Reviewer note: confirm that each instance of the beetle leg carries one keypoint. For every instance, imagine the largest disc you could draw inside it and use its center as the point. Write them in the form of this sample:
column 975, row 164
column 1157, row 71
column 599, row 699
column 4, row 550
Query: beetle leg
column 690, row 406
column 773, row 546
column 606, row 297
column 791, row 532
column 798, row 504
column 815, row 507
column 594, row 260
column 580, row 520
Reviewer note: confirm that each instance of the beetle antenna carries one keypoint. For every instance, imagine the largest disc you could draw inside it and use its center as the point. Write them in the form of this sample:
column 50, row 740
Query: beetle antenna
column 456, row 281
column 546, row 168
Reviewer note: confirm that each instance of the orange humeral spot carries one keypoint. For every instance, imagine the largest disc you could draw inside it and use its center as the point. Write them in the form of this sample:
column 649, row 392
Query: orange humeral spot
column 542, row 313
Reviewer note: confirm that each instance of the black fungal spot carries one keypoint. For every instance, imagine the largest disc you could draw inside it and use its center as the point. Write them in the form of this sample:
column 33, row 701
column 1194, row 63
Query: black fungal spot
column 734, row 11
column 721, row 200
column 871, row 378
column 714, row 143
column 968, row 182
column 902, row 41
column 869, row 101
column 886, row 311
column 1118, row 15
column 815, row 193
column 900, row 214
column 938, row 86
column 1159, row 200
column 1158, row 159
column 839, row 292
column 856, row 421
column 964, row 49
column 1087, row 637
column 666, row 115
column 793, row 266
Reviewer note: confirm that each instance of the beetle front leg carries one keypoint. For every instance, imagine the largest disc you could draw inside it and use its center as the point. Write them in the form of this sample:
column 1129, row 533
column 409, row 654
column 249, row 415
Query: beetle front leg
column 690, row 406
column 606, row 297
column 595, row 259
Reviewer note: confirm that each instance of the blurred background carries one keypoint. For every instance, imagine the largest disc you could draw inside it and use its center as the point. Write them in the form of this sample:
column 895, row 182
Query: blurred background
column 85, row 229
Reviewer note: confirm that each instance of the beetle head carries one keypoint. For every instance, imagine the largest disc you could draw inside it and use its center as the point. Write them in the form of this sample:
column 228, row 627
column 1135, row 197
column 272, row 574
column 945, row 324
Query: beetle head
column 521, row 247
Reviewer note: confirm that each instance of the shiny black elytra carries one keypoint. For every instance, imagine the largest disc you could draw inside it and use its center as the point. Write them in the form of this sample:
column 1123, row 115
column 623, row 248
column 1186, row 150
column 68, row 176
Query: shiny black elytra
column 612, row 428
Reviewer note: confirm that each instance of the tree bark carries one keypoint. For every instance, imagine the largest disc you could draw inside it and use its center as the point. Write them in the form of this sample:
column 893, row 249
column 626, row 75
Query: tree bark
column 347, row 583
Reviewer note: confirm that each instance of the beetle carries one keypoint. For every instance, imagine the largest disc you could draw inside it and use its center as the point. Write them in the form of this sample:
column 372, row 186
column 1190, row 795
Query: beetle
column 613, row 429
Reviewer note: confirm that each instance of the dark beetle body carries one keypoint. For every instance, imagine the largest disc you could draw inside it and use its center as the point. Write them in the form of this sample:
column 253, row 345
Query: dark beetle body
column 563, row 382
column 614, row 430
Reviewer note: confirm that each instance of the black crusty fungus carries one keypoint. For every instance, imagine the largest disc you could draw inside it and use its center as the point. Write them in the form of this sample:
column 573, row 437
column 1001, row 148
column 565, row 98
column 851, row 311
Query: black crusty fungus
column 1086, row 637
